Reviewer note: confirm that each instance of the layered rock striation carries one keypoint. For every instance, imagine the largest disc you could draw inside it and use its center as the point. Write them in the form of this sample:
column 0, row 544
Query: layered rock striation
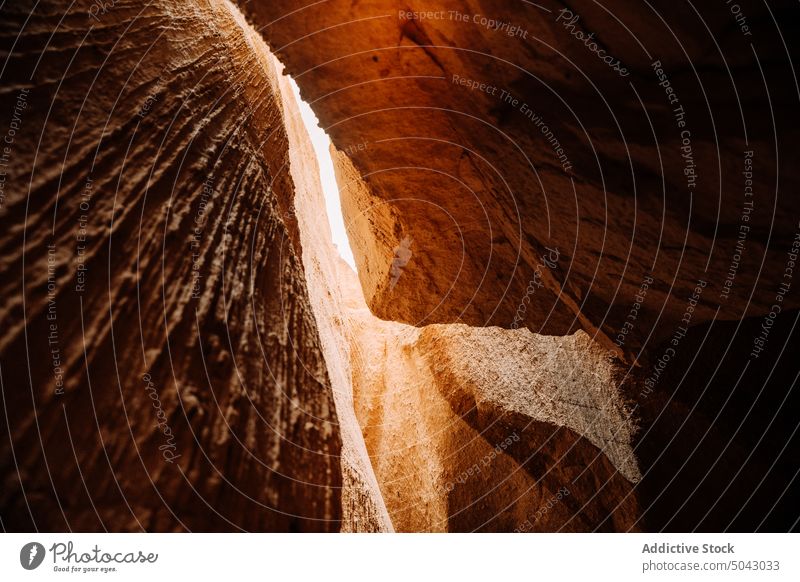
column 161, row 367
column 464, row 428
column 618, row 134
column 568, row 225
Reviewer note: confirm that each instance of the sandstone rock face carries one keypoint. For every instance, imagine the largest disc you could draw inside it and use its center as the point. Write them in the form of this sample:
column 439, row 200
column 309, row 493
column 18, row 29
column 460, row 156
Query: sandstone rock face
column 475, row 429
column 467, row 429
column 471, row 429
column 183, row 350
column 363, row 507
column 161, row 367
column 488, row 142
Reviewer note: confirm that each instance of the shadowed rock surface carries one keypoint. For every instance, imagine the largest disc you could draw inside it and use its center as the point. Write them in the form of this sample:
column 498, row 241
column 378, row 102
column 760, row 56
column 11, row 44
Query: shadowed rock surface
column 721, row 441
column 150, row 274
column 482, row 150
column 473, row 175
column 183, row 350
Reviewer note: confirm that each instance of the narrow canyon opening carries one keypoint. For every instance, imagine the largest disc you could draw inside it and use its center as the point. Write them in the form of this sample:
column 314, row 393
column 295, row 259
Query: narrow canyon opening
column 444, row 425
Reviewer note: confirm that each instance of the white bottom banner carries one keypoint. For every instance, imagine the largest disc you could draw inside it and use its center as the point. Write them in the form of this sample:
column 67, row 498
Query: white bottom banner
column 351, row 558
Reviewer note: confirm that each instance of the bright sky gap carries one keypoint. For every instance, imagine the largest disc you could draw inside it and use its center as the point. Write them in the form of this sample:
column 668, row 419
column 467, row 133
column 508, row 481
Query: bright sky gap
column 330, row 188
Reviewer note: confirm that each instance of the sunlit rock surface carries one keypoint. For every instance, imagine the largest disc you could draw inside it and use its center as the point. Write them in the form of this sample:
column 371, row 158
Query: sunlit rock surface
column 363, row 507
column 555, row 315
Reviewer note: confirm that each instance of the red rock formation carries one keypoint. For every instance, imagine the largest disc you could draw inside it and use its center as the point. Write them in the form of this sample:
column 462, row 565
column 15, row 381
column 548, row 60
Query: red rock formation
column 466, row 428
column 182, row 349
column 363, row 507
column 661, row 172
column 488, row 142
column 161, row 368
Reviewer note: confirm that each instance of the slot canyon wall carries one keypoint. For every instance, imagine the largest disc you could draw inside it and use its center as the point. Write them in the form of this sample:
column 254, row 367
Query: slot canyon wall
column 442, row 113
column 497, row 169
column 543, row 333
column 467, row 429
column 161, row 368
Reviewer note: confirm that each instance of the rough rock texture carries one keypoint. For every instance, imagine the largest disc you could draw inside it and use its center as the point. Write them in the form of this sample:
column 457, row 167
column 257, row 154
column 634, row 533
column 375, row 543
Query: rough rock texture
column 161, row 368
column 363, row 508
column 477, row 181
column 467, row 428
column 565, row 381
column 671, row 175
column 478, row 429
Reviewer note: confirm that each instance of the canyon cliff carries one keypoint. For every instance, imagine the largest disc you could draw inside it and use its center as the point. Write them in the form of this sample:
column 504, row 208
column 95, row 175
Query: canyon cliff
column 619, row 169
column 572, row 226
column 161, row 367
column 489, row 132
column 467, row 428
